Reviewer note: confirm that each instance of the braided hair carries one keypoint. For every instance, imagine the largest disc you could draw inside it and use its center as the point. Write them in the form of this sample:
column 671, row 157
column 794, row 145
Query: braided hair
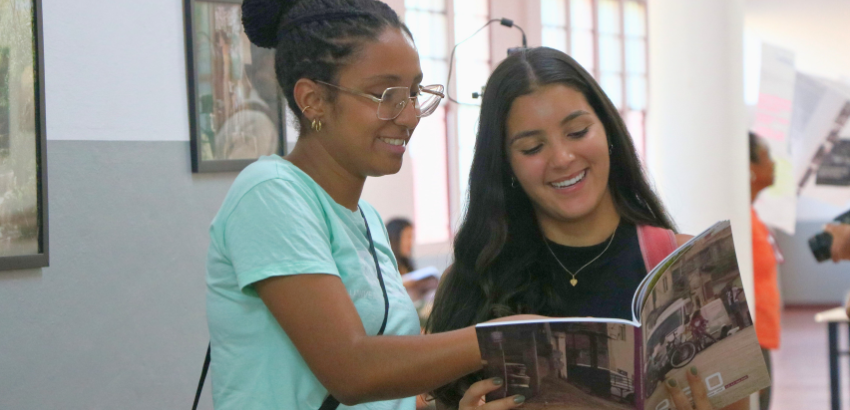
column 315, row 38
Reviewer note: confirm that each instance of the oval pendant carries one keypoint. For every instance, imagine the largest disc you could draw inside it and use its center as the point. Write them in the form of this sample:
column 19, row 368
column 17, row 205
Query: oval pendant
column 573, row 281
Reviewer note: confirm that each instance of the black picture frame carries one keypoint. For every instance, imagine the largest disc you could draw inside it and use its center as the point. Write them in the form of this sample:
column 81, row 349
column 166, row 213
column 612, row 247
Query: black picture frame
column 22, row 228
column 225, row 121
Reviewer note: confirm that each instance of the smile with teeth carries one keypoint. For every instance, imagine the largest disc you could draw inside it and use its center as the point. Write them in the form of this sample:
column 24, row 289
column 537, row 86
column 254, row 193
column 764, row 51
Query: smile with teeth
column 394, row 141
column 570, row 182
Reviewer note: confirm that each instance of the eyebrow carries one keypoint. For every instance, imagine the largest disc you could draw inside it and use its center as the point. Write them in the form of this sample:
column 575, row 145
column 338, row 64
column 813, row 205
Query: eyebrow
column 393, row 78
column 531, row 133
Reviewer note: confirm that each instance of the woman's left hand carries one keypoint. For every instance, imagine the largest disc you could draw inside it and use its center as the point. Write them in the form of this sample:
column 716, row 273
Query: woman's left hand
column 700, row 394
column 698, row 391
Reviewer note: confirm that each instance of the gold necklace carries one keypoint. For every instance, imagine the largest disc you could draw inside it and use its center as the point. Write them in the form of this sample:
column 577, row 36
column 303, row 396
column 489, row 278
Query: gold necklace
column 574, row 281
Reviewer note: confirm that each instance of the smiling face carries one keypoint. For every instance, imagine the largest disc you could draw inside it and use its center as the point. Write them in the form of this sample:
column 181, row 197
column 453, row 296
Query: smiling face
column 558, row 152
column 363, row 144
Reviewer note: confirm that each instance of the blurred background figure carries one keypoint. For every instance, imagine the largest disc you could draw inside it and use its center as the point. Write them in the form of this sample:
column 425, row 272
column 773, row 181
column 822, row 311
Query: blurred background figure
column 400, row 231
column 765, row 255
column 421, row 284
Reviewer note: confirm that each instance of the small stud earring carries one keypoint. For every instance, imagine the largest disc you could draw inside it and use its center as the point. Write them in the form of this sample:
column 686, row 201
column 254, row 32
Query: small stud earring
column 610, row 149
column 513, row 182
column 317, row 125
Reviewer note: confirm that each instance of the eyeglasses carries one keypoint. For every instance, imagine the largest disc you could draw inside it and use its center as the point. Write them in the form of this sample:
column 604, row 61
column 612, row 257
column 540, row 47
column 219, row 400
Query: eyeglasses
column 395, row 99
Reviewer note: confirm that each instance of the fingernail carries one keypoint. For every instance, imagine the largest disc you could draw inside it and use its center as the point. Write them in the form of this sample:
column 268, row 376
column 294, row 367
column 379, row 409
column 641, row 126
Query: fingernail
column 519, row 399
column 694, row 370
column 498, row 381
column 671, row 382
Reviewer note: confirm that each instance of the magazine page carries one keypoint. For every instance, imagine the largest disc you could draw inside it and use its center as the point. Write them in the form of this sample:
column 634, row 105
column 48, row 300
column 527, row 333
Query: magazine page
column 694, row 313
column 568, row 364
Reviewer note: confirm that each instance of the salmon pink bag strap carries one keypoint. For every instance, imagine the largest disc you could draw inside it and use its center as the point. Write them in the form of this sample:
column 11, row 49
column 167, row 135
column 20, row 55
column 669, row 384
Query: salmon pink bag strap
column 655, row 244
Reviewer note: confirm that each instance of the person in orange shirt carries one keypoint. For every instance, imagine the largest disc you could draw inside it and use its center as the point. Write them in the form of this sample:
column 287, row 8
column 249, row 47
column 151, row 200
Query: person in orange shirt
column 764, row 261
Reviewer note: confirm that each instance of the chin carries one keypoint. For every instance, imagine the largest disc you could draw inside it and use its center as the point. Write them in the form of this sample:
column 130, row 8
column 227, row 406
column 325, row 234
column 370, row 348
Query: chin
column 386, row 169
column 573, row 212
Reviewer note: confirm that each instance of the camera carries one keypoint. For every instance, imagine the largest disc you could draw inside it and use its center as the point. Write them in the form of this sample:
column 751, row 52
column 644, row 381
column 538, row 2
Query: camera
column 821, row 244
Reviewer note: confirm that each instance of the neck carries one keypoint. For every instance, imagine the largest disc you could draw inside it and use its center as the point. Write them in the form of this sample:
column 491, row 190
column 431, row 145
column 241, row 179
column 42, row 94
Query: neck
column 589, row 230
column 754, row 192
column 343, row 186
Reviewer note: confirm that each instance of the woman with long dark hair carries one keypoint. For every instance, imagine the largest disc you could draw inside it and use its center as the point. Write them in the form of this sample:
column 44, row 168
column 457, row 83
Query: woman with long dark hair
column 305, row 305
column 559, row 208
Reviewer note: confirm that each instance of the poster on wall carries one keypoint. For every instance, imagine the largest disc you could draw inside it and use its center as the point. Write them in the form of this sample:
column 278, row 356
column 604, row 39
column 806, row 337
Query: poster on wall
column 23, row 156
column 236, row 110
column 777, row 205
column 821, row 140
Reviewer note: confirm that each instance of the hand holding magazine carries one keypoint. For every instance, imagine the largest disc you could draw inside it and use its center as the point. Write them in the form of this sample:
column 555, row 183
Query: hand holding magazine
column 690, row 311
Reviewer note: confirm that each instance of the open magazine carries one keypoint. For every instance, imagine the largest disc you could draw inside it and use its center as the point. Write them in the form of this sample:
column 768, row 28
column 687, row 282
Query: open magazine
column 688, row 311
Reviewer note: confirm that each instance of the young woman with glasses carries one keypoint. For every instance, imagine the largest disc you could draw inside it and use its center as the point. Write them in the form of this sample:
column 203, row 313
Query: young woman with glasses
column 560, row 217
column 305, row 305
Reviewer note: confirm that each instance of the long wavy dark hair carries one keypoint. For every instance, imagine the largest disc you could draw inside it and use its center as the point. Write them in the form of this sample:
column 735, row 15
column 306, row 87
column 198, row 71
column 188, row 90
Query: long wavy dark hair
column 499, row 241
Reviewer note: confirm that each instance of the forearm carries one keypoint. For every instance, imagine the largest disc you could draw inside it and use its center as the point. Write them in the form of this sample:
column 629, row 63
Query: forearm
column 386, row 367
column 317, row 314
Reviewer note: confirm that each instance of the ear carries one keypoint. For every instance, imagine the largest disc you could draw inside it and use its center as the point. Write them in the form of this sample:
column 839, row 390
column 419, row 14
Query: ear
column 308, row 93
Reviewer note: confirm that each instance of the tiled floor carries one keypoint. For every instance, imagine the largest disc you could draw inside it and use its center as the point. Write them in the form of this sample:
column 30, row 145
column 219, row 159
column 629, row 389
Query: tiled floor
column 801, row 367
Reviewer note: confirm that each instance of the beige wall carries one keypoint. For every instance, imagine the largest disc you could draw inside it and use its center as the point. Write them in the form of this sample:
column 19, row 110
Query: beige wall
column 816, row 30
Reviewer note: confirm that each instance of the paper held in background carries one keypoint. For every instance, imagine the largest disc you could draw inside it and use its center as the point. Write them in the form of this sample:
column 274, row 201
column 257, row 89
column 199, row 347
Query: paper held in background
column 777, row 205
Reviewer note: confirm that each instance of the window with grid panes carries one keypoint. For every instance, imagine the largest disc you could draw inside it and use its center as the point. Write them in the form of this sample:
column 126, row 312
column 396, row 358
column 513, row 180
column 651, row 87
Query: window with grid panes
column 472, row 68
column 428, row 22
column 608, row 38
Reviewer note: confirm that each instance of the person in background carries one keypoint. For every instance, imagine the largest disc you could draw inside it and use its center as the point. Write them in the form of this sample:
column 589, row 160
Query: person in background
column 764, row 261
column 400, row 231
column 422, row 284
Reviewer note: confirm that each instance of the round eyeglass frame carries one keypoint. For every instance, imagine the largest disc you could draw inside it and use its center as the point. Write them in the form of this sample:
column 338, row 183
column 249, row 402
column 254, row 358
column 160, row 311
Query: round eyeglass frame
column 436, row 90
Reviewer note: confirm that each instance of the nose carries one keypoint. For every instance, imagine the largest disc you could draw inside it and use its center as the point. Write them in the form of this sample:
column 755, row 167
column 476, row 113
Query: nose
column 407, row 117
column 562, row 155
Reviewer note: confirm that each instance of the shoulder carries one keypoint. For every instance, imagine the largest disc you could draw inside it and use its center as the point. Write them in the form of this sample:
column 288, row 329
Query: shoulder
column 276, row 174
column 272, row 185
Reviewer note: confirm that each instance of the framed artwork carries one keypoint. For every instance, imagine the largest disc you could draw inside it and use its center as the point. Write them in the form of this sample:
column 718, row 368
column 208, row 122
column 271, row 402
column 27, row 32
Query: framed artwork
column 23, row 148
column 236, row 110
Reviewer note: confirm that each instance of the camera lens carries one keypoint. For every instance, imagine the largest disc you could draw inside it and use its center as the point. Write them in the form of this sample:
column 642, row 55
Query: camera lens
column 820, row 245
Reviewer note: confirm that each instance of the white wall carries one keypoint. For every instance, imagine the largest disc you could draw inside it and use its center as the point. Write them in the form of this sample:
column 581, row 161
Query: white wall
column 115, row 70
column 697, row 148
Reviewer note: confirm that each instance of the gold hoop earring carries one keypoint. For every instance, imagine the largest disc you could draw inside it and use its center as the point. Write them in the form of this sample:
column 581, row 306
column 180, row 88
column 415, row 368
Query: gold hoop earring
column 317, row 125
column 305, row 109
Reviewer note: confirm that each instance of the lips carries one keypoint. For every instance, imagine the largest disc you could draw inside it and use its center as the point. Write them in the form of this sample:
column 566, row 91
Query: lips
column 394, row 141
column 569, row 182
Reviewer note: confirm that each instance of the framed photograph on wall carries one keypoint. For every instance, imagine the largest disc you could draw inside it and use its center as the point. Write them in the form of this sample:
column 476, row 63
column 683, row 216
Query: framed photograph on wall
column 236, row 110
column 23, row 148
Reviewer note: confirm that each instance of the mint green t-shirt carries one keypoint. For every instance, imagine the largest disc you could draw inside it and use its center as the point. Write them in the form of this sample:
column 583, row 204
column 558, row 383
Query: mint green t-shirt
column 276, row 221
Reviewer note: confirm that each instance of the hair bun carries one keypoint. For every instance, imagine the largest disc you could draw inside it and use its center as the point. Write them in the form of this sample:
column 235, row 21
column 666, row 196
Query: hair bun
column 261, row 20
